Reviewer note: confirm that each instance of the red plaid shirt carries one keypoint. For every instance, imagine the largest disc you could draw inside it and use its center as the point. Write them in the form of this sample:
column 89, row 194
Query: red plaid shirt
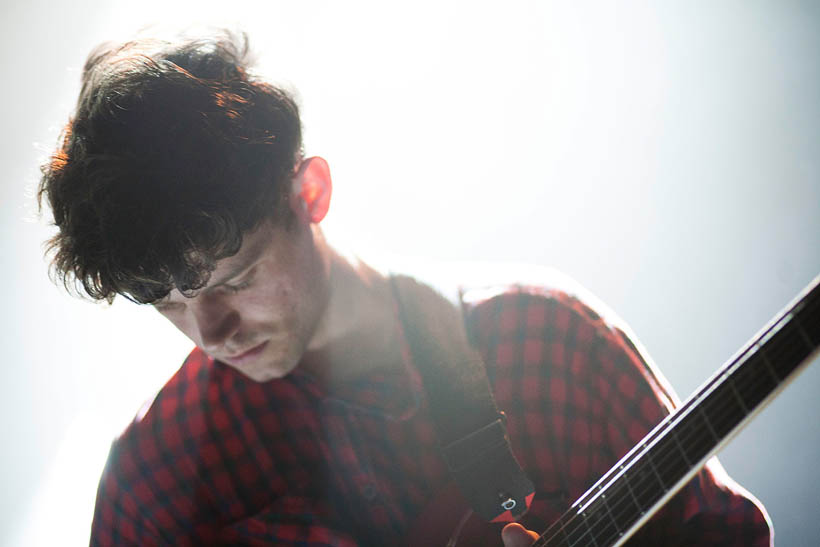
column 219, row 458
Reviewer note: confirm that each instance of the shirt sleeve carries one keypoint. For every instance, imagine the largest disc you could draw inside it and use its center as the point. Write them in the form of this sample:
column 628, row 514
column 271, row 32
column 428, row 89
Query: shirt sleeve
column 193, row 470
column 125, row 509
column 152, row 490
column 579, row 394
column 711, row 509
column 290, row 521
column 131, row 512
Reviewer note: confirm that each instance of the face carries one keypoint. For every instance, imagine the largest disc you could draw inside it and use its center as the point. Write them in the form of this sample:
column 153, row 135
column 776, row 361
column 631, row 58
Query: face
column 261, row 306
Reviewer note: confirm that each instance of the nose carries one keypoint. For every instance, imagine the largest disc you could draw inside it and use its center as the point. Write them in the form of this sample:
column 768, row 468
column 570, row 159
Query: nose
column 216, row 323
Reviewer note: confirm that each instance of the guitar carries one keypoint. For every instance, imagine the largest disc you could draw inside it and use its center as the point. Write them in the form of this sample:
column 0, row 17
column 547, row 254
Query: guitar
column 636, row 487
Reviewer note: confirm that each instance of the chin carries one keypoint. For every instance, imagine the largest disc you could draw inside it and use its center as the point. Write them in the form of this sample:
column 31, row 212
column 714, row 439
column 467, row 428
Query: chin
column 263, row 376
column 274, row 371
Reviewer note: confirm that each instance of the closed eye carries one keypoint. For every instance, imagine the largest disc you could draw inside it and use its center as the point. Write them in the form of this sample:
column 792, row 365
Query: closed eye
column 165, row 307
column 246, row 282
column 238, row 287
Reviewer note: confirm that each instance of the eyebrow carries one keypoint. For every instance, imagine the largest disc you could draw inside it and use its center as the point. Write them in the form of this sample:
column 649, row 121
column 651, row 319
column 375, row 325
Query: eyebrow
column 246, row 263
column 235, row 272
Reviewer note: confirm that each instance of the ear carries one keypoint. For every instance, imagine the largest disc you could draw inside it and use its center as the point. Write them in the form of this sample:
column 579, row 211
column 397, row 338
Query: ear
column 310, row 194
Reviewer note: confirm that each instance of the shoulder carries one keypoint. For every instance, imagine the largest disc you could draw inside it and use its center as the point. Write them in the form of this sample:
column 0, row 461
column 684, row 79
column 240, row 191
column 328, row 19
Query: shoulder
column 511, row 298
column 183, row 397
column 202, row 453
column 526, row 300
column 167, row 425
column 537, row 298
column 473, row 285
column 530, row 326
column 541, row 320
column 142, row 491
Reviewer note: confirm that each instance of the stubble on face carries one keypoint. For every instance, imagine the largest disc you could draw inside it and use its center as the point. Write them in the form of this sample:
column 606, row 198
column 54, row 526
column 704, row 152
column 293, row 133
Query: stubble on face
column 281, row 308
column 293, row 297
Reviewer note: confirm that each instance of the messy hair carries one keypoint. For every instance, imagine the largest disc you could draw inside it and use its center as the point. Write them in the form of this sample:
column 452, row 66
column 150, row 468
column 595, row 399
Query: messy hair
column 173, row 153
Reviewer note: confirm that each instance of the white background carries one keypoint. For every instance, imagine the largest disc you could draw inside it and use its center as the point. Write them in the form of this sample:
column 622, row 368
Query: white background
column 665, row 154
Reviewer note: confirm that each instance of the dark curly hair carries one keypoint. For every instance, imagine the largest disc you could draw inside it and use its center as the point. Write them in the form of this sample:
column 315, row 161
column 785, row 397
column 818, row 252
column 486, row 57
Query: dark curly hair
column 173, row 153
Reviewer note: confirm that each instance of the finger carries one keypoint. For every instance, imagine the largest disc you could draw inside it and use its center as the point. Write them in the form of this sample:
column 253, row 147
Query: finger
column 515, row 535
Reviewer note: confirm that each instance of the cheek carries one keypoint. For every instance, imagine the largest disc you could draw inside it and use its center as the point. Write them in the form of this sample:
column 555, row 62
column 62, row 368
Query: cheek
column 288, row 301
column 277, row 303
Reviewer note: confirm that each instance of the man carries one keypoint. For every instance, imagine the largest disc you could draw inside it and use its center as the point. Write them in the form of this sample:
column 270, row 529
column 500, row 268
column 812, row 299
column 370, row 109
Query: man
column 300, row 418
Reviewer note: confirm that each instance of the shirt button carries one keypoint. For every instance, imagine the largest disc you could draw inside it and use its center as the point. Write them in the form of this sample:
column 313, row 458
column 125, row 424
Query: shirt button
column 369, row 491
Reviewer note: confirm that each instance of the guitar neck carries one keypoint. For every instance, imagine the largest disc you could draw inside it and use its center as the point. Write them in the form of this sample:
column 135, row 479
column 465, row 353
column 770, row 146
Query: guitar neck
column 646, row 477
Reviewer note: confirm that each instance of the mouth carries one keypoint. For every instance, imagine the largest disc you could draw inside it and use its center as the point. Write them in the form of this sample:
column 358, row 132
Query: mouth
column 247, row 356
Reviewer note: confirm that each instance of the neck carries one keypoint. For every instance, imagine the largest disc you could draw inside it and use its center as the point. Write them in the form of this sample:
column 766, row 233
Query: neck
column 358, row 330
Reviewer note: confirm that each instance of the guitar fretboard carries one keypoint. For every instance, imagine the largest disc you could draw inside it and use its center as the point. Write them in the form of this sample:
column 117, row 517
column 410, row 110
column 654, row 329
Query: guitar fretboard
column 638, row 485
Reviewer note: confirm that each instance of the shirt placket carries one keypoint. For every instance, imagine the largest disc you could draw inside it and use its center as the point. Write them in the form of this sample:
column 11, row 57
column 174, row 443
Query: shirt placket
column 354, row 470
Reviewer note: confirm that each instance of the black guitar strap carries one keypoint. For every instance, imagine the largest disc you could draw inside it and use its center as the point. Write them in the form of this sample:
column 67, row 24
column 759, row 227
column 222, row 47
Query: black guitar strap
column 471, row 431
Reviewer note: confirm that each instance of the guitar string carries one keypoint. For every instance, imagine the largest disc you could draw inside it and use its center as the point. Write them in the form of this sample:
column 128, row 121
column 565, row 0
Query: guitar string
column 629, row 493
column 658, row 433
column 669, row 460
column 661, row 459
column 740, row 379
column 620, row 489
column 757, row 381
column 565, row 520
column 749, row 384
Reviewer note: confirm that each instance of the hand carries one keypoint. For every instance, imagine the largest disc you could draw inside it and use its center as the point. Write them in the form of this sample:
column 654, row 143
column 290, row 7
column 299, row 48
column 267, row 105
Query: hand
column 515, row 535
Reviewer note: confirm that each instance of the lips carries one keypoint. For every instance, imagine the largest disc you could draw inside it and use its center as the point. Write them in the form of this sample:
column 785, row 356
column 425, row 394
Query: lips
column 247, row 356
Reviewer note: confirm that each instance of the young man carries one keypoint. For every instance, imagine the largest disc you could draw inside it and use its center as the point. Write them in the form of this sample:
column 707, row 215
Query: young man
column 300, row 417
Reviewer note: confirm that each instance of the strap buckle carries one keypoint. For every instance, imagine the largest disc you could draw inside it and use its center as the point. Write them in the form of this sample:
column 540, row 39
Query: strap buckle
column 488, row 474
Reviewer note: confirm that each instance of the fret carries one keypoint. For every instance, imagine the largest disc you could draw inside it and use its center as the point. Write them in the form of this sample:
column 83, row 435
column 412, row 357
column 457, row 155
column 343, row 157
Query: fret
column 693, row 440
column 601, row 529
column 602, row 501
column 737, row 395
column 593, row 525
column 558, row 528
column 648, row 456
column 644, row 485
column 810, row 314
column 562, row 524
column 589, row 529
column 784, row 348
column 708, row 423
column 752, row 382
column 641, row 487
column 576, row 527
column 766, row 361
column 625, row 479
column 681, row 450
column 805, row 335
column 671, row 460
column 564, row 533
column 723, row 408
column 609, row 513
